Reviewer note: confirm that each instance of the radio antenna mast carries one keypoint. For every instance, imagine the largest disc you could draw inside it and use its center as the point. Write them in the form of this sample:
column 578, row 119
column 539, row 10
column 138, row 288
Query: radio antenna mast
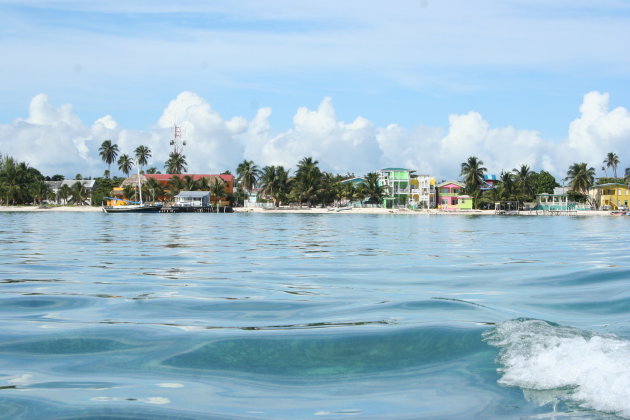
column 177, row 142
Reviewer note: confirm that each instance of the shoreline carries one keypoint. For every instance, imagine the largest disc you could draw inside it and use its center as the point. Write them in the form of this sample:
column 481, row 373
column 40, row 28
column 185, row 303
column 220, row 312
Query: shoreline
column 306, row 210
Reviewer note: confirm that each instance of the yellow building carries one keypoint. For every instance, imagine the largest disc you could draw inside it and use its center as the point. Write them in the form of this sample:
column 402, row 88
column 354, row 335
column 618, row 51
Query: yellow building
column 612, row 196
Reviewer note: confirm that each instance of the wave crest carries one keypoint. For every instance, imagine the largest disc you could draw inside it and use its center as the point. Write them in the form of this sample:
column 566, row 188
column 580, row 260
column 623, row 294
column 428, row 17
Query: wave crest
column 593, row 370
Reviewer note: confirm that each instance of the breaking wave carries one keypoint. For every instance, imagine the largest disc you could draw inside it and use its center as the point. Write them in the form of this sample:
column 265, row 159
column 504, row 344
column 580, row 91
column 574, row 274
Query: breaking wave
column 582, row 368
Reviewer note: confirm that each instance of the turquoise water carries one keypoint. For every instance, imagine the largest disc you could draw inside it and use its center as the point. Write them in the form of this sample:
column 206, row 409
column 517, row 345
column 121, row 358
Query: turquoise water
column 259, row 316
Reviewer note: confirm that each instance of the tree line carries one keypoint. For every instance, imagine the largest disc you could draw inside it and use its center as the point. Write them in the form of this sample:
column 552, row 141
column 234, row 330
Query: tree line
column 308, row 185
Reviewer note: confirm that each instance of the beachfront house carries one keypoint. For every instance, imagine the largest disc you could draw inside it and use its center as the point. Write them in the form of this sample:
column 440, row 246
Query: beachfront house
column 397, row 185
column 611, row 196
column 423, row 194
column 86, row 184
column 451, row 196
column 558, row 201
column 192, row 199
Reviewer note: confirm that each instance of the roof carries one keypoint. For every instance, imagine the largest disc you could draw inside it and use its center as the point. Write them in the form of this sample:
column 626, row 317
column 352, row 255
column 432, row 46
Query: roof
column 193, row 194
column 611, row 184
column 457, row 183
column 86, row 183
column 397, row 169
column 355, row 180
column 195, row 177
column 492, row 177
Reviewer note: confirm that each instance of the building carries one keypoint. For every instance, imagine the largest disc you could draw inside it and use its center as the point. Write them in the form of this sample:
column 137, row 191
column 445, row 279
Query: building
column 164, row 179
column 192, row 199
column 56, row 186
column 397, row 185
column 558, row 201
column 612, row 196
column 451, row 196
column 423, row 194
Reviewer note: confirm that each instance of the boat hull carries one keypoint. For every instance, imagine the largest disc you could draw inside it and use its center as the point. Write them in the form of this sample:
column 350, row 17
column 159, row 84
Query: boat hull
column 131, row 209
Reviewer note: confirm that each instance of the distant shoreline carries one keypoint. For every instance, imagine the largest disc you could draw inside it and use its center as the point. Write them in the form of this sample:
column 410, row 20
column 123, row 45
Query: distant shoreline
column 306, row 210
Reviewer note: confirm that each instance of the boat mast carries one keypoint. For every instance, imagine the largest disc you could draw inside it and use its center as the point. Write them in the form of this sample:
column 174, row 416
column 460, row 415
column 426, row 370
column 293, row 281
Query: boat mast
column 139, row 183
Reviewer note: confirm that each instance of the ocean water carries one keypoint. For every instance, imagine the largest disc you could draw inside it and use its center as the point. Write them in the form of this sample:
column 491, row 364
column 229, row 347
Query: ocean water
column 284, row 316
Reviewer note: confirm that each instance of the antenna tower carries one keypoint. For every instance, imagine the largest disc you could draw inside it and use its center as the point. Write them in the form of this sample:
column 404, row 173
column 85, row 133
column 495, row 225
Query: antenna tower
column 177, row 142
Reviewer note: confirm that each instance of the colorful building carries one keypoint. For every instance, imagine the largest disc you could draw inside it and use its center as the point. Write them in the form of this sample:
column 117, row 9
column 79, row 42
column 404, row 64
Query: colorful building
column 423, row 191
column 397, row 185
column 612, row 196
column 451, row 196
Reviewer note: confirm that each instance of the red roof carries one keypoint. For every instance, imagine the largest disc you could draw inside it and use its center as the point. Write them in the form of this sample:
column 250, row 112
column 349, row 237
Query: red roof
column 195, row 177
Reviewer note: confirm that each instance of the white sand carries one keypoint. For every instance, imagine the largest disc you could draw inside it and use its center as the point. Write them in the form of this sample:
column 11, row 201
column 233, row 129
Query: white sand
column 297, row 210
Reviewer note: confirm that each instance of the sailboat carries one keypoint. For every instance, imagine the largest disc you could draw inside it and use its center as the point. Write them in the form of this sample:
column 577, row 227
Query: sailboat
column 132, row 206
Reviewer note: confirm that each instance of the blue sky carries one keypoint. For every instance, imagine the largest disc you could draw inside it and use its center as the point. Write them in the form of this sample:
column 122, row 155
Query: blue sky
column 413, row 64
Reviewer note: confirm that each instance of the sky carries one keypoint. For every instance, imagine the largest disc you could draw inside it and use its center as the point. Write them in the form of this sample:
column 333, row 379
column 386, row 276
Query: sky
column 357, row 85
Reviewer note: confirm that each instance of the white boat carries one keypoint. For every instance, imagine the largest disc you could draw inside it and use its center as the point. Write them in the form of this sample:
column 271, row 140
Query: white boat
column 133, row 206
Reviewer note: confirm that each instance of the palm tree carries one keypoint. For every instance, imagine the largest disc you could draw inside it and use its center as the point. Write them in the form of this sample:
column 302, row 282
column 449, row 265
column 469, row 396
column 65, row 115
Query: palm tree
column 307, row 179
column 142, row 154
column 581, row 178
column 371, row 188
column 507, row 185
column 125, row 163
column 611, row 161
column 153, row 187
column 78, row 193
column 152, row 170
column 627, row 176
column 175, row 185
column 64, row 193
column 274, row 183
column 176, row 163
column 217, row 189
column 524, row 177
column 472, row 171
column 108, row 152
column 248, row 174
column 189, row 183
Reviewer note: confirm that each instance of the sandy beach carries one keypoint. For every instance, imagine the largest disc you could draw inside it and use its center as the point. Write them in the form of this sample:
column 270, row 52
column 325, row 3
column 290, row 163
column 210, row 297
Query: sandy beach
column 306, row 210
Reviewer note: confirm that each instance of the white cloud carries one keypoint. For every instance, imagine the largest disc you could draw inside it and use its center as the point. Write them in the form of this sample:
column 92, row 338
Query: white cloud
column 55, row 140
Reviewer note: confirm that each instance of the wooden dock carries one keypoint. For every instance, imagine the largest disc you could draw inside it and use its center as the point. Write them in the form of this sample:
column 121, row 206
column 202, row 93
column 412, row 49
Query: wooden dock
column 196, row 209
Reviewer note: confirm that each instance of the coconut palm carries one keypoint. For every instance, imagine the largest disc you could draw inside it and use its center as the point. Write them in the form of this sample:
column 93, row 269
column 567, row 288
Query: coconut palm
column 142, row 154
column 524, row 178
column 152, row 170
column 248, row 174
column 108, row 152
column 176, row 163
column 506, row 191
column 125, row 163
column 472, row 172
column 581, row 178
column 274, row 183
column 64, row 193
column 371, row 188
column 217, row 189
column 611, row 161
column 189, row 183
column 78, row 193
column 153, row 187
column 307, row 179
column 175, row 185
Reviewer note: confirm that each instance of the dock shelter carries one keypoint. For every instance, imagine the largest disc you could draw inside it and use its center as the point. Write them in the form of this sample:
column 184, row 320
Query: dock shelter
column 192, row 199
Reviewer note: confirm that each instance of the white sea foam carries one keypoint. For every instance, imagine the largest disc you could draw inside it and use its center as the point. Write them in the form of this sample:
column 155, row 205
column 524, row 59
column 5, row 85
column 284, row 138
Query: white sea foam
column 593, row 370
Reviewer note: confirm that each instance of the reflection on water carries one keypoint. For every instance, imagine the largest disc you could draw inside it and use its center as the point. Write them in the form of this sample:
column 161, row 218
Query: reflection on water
column 291, row 316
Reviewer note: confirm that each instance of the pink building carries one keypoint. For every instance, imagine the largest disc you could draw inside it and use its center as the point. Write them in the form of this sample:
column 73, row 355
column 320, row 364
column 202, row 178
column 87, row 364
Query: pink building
column 451, row 196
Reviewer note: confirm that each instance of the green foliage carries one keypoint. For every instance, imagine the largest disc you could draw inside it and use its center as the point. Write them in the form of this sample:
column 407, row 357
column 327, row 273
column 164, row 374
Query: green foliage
column 20, row 183
column 576, row 196
column 248, row 174
column 609, row 180
column 371, row 189
column 472, row 172
column 544, row 183
column 581, row 178
column 176, row 163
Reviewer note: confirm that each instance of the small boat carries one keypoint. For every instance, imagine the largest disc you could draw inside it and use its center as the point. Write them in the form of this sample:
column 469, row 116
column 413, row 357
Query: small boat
column 132, row 206
column 619, row 213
